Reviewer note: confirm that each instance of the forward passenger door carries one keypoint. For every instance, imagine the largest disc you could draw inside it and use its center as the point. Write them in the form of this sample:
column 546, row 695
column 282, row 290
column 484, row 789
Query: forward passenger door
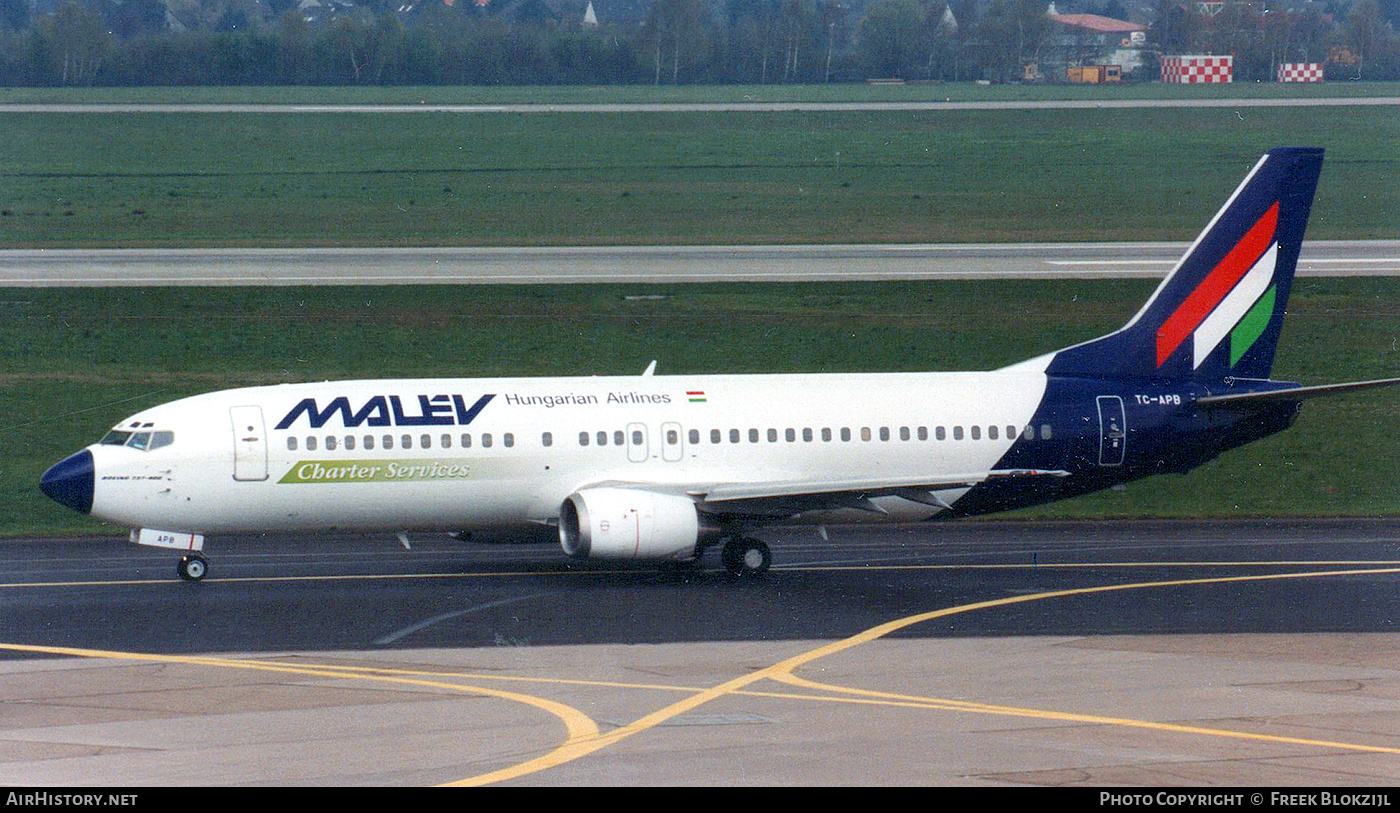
column 249, row 443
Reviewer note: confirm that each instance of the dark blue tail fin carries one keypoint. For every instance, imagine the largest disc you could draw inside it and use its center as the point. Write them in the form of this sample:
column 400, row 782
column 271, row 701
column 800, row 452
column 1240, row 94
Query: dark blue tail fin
column 1220, row 310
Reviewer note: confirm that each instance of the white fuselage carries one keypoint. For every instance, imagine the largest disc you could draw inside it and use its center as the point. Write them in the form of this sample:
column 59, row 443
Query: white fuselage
column 662, row 467
column 432, row 454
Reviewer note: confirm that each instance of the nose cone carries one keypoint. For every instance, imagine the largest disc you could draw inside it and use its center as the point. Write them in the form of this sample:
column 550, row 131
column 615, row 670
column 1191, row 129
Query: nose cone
column 69, row 482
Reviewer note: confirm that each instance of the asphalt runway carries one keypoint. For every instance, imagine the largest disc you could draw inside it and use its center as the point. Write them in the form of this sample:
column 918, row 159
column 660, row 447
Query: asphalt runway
column 979, row 653
column 704, row 107
column 642, row 264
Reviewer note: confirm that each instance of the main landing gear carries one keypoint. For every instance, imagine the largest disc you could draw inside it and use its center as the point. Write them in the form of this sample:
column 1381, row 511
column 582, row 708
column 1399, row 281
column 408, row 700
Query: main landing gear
column 746, row 558
column 192, row 568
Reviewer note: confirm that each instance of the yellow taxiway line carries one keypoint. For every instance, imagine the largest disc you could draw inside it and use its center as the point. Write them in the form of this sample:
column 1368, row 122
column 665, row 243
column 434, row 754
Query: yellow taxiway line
column 583, row 736
column 783, row 670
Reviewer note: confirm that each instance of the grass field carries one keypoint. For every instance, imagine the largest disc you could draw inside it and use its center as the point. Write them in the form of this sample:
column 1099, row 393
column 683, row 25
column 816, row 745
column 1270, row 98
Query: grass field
column 76, row 361
column 447, row 179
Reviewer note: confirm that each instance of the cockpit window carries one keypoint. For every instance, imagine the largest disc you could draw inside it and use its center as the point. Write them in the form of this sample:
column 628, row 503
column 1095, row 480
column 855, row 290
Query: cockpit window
column 145, row 441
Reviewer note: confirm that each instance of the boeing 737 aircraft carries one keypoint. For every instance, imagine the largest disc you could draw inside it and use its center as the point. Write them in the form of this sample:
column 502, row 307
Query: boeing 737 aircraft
column 664, row 467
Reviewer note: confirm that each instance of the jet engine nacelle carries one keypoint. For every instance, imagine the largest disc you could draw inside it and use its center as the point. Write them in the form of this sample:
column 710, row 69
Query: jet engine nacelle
column 625, row 523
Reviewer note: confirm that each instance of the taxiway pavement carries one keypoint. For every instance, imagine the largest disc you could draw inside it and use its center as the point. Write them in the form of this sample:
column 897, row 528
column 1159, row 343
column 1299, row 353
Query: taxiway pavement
column 1005, row 653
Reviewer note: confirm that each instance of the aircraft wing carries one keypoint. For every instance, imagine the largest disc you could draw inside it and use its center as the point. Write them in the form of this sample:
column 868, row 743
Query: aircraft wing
column 853, row 493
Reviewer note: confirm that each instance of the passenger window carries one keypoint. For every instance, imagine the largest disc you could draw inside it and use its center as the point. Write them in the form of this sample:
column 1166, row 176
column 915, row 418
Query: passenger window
column 940, row 433
column 508, row 439
column 425, row 442
column 672, row 437
column 923, row 433
column 602, row 438
column 903, row 433
column 406, row 442
column 733, row 435
column 991, row 433
column 547, row 439
column 618, row 438
column 957, row 433
column 884, row 433
column 369, row 441
column 291, row 443
column 330, row 443
column 447, row 441
column 311, row 444
column 485, row 440
column 583, row 438
column 753, row 436
column 466, row 440
column 637, row 439
column 1045, row 431
column 1010, row 432
column 349, row 441
column 826, row 434
column 1029, row 433
column 694, row 436
column 790, row 434
column 865, row 433
column 846, row 433
column 806, row 434
column 772, row 435
column 388, row 441
column 715, row 436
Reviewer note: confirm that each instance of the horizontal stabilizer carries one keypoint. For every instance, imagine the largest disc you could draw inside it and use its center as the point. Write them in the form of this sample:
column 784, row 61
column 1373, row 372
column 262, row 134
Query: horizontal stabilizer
column 1293, row 393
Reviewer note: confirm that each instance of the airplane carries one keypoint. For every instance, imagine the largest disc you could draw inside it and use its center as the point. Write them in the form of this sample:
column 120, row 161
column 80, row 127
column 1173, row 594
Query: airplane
column 662, row 468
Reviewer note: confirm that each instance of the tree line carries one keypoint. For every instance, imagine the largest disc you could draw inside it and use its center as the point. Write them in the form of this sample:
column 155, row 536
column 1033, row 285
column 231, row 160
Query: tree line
column 378, row 42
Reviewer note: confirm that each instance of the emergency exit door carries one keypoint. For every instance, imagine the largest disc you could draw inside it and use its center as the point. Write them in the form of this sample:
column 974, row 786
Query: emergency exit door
column 672, row 442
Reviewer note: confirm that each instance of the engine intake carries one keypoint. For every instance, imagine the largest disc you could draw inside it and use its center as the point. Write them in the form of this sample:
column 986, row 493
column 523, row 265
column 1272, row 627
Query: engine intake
column 625, row 523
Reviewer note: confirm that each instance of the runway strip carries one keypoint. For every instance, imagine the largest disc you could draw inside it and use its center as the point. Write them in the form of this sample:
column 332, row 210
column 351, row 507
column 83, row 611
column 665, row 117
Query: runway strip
column 642, row 264
column 705, row 107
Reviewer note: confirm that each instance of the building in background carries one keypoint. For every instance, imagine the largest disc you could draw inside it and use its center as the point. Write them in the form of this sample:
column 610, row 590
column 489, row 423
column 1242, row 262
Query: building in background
column 1091, row 41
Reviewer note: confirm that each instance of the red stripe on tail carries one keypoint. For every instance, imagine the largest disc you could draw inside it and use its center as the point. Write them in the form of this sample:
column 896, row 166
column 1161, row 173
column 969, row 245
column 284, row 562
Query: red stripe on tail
column 1198, row 305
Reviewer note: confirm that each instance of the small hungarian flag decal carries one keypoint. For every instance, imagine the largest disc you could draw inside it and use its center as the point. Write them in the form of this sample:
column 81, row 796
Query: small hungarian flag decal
column 695, row 396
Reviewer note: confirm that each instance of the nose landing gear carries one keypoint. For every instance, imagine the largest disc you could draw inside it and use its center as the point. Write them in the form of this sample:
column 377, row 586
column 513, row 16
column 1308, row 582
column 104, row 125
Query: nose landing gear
column 192, row 568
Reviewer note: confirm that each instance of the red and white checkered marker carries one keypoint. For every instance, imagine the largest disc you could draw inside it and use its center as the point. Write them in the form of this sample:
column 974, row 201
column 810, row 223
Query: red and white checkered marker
column 1197, row 69
column 1300, row 72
